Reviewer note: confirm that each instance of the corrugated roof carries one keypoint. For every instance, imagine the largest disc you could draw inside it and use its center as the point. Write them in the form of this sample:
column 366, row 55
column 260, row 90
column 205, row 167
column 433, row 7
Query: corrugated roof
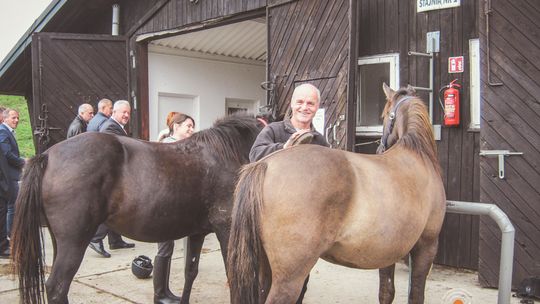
column 245, row 40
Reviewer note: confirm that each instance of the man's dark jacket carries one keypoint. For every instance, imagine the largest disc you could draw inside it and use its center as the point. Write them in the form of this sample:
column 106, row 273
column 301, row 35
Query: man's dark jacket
column 10, row 149
column 77, row 126
column 5, row 185
column 274, row 136
column 113, row 127
column 96, row 122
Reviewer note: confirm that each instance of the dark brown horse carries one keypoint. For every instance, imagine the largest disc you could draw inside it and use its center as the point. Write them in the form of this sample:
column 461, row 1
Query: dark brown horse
column 361, row 211
column 149, row 192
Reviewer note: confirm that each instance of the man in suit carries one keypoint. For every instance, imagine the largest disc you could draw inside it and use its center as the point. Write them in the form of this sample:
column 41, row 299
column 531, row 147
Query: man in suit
column 10, row 149
column 5, row 193
column 78, row 125
column 105, row 108
column 114, row 125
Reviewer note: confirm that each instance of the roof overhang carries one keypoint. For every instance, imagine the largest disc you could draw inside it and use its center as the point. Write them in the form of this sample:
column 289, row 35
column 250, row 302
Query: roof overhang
column 20, row 48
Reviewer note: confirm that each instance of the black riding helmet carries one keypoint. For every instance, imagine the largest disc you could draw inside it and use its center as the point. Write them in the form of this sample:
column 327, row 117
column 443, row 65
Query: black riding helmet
column 142, row 267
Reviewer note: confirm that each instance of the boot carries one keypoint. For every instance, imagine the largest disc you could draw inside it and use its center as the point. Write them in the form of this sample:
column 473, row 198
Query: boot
column 162, row 293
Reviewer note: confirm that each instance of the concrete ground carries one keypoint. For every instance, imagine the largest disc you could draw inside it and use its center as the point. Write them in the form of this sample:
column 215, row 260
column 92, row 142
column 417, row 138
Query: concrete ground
column 101, row 280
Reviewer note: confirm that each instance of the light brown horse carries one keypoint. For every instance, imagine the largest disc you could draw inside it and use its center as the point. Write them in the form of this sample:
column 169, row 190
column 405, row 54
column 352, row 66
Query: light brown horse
column 360, row 211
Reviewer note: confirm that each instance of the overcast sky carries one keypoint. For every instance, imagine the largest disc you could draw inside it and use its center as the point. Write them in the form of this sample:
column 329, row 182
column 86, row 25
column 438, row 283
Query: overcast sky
column 16, row 16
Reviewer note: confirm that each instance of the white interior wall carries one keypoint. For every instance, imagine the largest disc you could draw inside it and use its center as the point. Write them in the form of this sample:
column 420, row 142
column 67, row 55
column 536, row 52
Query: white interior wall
column 207, row 82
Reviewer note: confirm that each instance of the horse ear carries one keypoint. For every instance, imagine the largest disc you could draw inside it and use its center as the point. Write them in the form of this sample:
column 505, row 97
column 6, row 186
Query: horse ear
column 388, row 91
column 411, row 89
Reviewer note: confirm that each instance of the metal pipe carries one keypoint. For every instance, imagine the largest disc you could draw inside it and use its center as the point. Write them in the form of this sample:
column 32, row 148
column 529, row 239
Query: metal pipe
column 115, row 19
column 507, row 240
column 411, row 53
column 421, row 89
column 487, row 8
column 431, row 76
column 431, row 70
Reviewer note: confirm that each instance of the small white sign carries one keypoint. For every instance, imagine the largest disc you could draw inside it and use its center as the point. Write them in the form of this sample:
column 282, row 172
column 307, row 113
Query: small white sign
column 429, row 5
column 318, row 121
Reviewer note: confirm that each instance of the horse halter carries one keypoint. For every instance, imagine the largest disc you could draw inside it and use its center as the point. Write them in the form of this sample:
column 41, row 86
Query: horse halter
column 390, row 124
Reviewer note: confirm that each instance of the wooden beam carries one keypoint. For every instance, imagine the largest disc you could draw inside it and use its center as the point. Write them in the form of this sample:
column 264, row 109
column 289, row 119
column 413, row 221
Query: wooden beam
column 351, row 86
column 159, row 4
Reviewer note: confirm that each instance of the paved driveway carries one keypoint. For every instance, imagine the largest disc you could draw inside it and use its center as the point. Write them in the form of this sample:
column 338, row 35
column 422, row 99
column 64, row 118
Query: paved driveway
column 102, row 280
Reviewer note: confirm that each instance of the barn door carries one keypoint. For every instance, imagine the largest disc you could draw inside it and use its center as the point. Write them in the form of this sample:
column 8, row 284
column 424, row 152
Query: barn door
column 309, row 42
column 71, row 69
column 510, row 123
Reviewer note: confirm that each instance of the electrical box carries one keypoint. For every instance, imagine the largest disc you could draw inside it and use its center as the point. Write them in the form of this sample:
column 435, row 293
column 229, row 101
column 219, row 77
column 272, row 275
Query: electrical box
column 433, row 42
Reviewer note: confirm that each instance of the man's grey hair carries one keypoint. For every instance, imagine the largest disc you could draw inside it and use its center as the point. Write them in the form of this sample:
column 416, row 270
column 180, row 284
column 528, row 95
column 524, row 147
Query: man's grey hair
column 103, row 103
column 7, row 111
column 84, row 107
column 120, row 103
column 317, row 91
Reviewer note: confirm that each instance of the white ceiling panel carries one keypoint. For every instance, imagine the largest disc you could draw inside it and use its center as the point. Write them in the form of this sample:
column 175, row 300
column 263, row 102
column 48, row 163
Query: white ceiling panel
column 244, row 40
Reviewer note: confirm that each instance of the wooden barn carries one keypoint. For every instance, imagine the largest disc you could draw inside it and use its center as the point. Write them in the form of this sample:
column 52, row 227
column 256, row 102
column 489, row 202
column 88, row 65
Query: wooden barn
column 210, row 58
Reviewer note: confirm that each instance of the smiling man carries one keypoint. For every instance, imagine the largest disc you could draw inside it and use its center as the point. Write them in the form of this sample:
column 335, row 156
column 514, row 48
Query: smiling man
column 279, row 135
column 116, row 124
column 10, row 149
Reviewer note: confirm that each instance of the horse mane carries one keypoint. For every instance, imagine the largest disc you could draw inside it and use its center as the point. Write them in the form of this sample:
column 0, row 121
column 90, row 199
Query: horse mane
column 418, row 133
column 231, row 137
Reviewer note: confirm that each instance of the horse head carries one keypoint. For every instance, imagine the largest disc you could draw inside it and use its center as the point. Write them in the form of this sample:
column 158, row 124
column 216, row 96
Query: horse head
column 392, row 115
column 406, row 121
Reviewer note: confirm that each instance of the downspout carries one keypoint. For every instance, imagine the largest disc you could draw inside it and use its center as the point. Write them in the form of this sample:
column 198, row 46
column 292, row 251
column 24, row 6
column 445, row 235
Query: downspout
column 115, row 19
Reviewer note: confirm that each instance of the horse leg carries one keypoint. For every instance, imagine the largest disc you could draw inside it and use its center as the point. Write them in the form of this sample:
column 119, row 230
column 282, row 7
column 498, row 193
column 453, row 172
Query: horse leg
column 192, row 256
column 285, row 289
column 68, row 259
column 422, row 256
column 265, row 278
column 289, row 278
column 386, row 284
column 303, row 292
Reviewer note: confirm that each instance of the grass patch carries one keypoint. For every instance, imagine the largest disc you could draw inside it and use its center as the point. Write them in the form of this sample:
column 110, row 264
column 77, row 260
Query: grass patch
column 24, row 129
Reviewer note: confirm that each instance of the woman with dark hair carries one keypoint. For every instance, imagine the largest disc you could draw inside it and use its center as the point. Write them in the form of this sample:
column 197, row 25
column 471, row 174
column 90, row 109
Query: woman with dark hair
column 180, row 127
column 166, row 132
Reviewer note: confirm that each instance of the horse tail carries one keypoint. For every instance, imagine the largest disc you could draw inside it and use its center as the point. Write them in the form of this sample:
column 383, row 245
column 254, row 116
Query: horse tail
column 27, row 255
column 245, row 249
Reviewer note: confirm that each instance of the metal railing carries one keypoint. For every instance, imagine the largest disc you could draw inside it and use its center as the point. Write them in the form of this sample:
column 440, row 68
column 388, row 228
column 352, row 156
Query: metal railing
column 507, row 240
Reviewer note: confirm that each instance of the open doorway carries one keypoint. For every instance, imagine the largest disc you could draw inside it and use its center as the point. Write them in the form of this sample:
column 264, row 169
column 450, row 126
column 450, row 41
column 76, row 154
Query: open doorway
column 207, row 73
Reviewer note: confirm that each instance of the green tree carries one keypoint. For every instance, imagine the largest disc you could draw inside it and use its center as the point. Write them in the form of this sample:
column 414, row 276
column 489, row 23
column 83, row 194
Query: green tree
column 24, row 129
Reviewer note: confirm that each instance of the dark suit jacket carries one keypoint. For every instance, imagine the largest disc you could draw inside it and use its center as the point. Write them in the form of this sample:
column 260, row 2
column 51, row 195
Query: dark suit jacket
column 5, row 181
column 96, row 122
column 112, row 127
column 10, row 149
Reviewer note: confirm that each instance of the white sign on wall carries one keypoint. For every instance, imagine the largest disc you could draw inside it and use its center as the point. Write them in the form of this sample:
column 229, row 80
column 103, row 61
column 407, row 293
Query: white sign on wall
column 429, row 5
column 318, row 121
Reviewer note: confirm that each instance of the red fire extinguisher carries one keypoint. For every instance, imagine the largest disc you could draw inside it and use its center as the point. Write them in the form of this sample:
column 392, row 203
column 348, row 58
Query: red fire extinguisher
column 451, row 103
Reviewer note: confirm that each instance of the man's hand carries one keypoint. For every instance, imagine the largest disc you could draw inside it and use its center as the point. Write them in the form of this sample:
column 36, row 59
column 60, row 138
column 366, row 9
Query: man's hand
column 291, row 141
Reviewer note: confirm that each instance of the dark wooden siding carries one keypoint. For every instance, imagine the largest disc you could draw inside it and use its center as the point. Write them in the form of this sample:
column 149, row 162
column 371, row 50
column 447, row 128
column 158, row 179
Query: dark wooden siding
column 392, row 26
column 511, row 121
column 71, row 69
column 179, row 13
column 309, row 43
